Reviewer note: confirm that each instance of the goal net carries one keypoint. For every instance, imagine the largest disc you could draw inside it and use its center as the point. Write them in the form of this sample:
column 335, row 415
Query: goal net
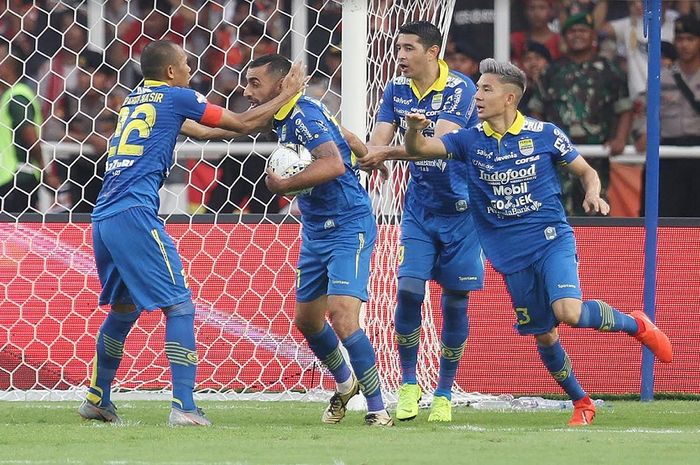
column 238, row 242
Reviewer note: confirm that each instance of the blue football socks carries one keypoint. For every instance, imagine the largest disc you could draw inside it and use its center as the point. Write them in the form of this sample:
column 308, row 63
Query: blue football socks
column 364, row 364
column 108, row 354
column 599, row 315
column 326, row 347
column 455, row 330
column 558, row 364
column 181, row 350
column 407, row 321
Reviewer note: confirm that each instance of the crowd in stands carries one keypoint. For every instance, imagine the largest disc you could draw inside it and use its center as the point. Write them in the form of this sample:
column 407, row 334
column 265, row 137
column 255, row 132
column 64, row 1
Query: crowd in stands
column 585, row 60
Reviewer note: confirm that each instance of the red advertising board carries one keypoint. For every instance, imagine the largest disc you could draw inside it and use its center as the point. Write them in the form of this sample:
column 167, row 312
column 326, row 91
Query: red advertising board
column 242, row 278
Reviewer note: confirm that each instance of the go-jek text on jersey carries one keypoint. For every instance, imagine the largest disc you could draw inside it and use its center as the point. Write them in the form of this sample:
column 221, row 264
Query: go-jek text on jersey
column 514, row 187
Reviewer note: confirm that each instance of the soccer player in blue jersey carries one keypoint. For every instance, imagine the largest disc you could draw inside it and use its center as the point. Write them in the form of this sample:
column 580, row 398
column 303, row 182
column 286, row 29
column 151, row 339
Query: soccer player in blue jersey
column 137, row 262
column 511, row 162
column 438, row 239
column 338, row 235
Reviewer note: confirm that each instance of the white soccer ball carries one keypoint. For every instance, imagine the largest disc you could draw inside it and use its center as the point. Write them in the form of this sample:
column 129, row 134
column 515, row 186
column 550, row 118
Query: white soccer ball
column 288, row 160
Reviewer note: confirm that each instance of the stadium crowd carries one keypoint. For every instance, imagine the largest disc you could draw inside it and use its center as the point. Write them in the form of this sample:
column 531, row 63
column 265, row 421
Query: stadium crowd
column 585, row 61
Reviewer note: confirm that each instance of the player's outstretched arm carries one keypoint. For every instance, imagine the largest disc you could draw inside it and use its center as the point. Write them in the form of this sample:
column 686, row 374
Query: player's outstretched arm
column 250, row 121
column 198, row 131
column 356, row 145
column 327, row 165
column 378, row 148
column 361, row 152
column 419, row 147
column 592, row 203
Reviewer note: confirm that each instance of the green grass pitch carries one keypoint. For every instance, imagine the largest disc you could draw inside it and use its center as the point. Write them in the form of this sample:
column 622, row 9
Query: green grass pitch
column 625, row 432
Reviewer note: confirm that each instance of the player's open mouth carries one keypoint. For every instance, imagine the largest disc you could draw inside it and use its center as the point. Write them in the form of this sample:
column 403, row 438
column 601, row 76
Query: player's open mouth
column 403, row 68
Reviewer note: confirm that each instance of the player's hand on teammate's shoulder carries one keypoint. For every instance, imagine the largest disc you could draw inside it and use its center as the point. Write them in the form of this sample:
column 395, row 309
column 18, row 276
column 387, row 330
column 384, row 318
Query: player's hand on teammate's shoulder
column 594, row 205
column 417, row 121
column 275, row 183
column 296, row 79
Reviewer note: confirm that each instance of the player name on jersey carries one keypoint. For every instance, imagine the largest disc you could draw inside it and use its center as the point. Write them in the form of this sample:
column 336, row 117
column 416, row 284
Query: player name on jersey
column 153, row 97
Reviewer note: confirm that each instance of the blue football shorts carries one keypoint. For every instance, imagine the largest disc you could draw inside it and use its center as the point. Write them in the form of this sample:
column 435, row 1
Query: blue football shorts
column 137, row 261
column 441, row 247
column 535, row 288
column 336, row 262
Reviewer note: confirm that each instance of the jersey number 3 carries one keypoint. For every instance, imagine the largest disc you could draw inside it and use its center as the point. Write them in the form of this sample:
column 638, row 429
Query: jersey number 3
column 140, row 120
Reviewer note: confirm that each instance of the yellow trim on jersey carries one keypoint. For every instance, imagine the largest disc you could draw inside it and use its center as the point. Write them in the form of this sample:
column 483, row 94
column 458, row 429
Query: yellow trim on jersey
column 154, row 233
column 154, row 83
column 438, row 85
column 287, row 108
column 514, row 129
column 361, row 245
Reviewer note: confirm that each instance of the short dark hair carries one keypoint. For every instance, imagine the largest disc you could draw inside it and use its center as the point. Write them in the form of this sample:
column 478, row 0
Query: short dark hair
column 428, row 34
column 155, row 57
column 279, row 65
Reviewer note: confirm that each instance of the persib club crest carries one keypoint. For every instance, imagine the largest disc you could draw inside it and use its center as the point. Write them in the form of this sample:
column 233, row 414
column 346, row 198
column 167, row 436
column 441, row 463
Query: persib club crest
column 436, row 102
column 526, row 146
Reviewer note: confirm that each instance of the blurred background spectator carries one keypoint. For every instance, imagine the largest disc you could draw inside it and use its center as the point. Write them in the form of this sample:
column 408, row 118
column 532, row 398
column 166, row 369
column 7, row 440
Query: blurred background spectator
column 464, row 59
column 472, row 25
column 575, row 78
column 679, row 189
column 21, row 162
column 534, row 61
column 586, row 95
column 539, row 14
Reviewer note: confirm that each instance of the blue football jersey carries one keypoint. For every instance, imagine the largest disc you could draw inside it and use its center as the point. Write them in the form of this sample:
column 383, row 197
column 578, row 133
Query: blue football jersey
column 514, row 187
column 435, row 185
column 141, row 150
column 307, row 122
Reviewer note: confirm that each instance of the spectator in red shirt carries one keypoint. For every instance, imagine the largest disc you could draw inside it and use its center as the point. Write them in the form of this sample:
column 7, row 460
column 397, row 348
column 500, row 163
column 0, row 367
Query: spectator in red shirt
column 538, row 13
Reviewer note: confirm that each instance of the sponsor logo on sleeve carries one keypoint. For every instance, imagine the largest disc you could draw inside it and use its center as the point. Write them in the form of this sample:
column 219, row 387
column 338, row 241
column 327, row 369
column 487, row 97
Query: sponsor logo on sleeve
column 302, row 132
column 425, row 165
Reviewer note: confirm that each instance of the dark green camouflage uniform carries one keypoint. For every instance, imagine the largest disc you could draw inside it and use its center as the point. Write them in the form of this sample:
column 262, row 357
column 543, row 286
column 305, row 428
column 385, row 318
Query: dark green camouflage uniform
column 585, row 100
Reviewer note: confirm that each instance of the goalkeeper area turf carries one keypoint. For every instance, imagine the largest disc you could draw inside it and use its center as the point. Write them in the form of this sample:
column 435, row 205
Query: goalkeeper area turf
column 255, row 432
